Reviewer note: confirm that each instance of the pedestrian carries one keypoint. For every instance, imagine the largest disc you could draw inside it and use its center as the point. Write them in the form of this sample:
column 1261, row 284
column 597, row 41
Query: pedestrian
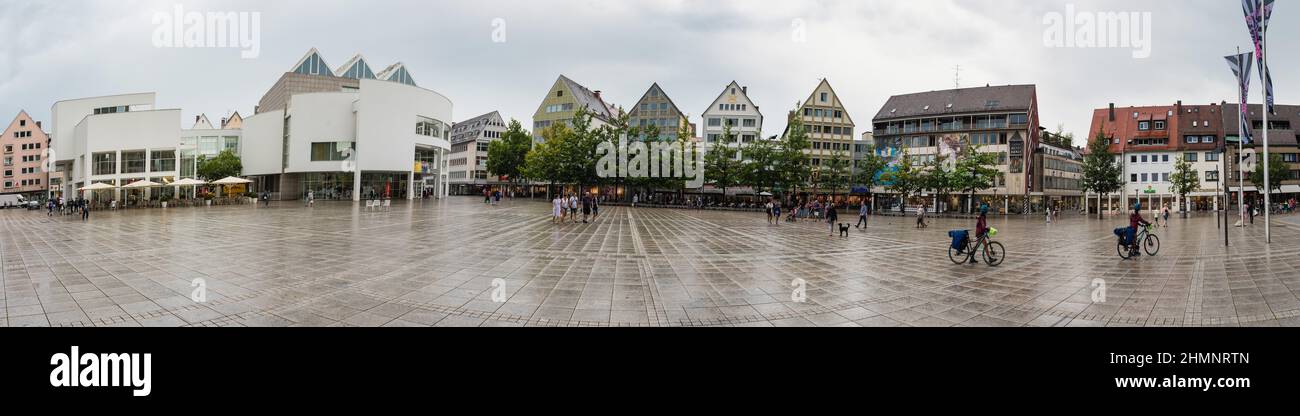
column 311, row 198
column 1049, row 215
column 595, row 208
column 557, row 209
column 573, row 207
column 920, row 216
column 831, row 217
column 586, row 207
column 862, row 216
column 85, row 211
column 776, row 211
column 50, row 205
column 634, row 200
column 1164, row 213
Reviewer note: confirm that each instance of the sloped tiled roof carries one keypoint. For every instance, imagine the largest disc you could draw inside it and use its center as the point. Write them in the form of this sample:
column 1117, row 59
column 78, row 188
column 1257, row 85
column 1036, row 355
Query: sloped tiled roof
column 962, row 100
column 587, row 98
column 471, row 129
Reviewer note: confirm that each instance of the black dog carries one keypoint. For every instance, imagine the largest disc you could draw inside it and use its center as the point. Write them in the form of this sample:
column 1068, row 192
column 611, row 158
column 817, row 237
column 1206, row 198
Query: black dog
column 844, row 230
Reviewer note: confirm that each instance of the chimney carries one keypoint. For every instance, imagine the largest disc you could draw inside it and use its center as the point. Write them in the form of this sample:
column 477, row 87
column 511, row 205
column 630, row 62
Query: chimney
column 597, row 93
column 1112, row 112
column 38, row 125
column 744, row 90
column 1178, row 107
column 197, row 118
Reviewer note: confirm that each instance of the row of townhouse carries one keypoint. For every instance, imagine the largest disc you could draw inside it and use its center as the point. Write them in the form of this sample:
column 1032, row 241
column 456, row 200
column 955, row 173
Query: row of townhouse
column 1148, row 141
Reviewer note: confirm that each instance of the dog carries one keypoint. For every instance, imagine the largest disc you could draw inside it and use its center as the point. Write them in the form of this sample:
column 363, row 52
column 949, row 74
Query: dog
column 844, row 230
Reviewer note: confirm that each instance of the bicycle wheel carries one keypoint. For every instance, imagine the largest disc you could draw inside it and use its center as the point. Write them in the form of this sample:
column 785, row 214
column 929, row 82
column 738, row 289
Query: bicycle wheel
column 955, row 257
column 1123, row 250
column 994, row 253
column 1151, row 245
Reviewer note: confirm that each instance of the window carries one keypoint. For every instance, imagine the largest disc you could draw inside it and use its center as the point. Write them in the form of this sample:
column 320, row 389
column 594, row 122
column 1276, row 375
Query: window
column 1133, row 159
column 1144, row 177
column 1144, row 158
column 559, row 93
column 1160, row 125
column 133, row 162
column 1190, row 157
column 104, row 163
column 1191, row 139
column 1144, row 125
column 1163, row 158
column 425, row 126
column 1290, row 157
column 1164, row 177
column 231, row 144
column 483, row 146
column 749, row 122
column 1211, row 176
column 1211, row 157
column 824, row 97
column 1019, row 119
column 1133, row 178
column 162, row 161
column 330, row 151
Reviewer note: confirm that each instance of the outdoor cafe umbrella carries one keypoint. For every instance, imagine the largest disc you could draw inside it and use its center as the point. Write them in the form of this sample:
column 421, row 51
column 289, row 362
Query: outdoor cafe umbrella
column 231, row 180
column 189, row 182
column 765, row 193
column 96, row 187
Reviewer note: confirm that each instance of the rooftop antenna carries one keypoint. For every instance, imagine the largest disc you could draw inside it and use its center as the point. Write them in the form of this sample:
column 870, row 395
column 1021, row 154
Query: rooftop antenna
column 956, row 78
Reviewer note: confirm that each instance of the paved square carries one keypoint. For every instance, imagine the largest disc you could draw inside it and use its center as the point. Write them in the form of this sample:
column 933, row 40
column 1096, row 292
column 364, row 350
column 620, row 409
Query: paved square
column 434, row 263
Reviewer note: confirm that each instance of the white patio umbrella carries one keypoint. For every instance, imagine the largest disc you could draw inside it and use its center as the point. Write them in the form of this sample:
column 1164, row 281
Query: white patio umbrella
column 97, row 187
column 189, row 182
column 142, row 184
column 231, row 180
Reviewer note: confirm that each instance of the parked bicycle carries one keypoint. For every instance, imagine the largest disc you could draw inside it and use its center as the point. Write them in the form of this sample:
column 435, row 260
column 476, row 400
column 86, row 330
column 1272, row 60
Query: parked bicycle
column 1148, row 242
column 992, row 251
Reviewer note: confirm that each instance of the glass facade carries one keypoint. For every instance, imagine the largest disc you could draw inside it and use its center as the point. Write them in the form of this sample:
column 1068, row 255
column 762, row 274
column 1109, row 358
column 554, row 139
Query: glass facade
column 328, row 185
column 384, row 185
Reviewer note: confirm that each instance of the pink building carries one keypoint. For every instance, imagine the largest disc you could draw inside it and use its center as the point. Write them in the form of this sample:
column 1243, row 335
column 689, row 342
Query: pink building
column 24, row 147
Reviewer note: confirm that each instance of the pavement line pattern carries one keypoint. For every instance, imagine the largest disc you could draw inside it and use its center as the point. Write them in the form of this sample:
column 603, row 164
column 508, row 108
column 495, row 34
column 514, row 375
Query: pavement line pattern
column 435, row 263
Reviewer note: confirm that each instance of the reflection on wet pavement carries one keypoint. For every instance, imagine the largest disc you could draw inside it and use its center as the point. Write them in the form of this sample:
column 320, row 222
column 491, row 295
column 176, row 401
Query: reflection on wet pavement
column 459, row 262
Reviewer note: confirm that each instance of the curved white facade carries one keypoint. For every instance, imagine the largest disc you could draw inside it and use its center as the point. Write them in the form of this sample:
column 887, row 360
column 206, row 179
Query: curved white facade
column 366, row 132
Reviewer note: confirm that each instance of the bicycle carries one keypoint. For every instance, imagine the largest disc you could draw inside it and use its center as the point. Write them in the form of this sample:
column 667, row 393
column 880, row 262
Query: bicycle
column 992, row 251
column 1150, row 243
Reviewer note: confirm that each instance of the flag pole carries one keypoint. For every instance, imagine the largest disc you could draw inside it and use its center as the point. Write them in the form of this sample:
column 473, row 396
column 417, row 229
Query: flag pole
column 1241, row 149
column 1268, row 186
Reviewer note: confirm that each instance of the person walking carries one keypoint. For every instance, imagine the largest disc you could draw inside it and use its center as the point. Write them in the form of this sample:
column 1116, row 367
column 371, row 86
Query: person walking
column 1049, row 215
column 595, row 208
column 311, row 198
column 634, row 200
column 768, row 207
column 586, row 207
column 1164, row 216
column 776, row 212
column 862, row 216
column 831, row 217
column 573, row 207
column 557, row 209
column 920, row 216
column 85, row 211
column 50, row 206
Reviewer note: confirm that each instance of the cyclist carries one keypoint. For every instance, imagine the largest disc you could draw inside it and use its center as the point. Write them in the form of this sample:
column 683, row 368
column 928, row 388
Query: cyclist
column 981, row 228
column 1134, row 221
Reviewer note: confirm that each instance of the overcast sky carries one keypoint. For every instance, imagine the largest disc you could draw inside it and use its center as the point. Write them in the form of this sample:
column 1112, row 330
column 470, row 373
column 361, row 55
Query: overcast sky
column 869, row 50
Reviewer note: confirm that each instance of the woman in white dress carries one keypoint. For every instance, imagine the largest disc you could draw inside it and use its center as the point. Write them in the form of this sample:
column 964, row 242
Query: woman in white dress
column 557, row 212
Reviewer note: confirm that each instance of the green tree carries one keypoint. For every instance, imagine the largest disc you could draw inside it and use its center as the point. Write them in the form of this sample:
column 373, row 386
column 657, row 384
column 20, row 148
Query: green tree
column 762, row 164
column 939, row 178
column 506, row 156
column 905, row 179
column 1100, row 172
column 868, row 170
column 792, row 164
column 545, row 160
column 222, row 165
column 975, row 171
column 1184, row 180
column 1278, row 171
column 834, row 172
column 721, row 169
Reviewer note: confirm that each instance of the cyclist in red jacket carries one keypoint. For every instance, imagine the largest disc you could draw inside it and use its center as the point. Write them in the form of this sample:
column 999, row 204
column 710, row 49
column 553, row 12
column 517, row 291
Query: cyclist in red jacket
column 1134, row 221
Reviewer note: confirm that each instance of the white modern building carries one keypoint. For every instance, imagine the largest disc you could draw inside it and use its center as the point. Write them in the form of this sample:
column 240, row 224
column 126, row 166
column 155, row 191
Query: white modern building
column 114, row 140
column 349, row 134
column 467, row 165
column 204, row 141
column 732, row 108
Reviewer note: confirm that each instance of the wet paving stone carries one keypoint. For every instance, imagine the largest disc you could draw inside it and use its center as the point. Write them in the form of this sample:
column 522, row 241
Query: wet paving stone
column 458, row 262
